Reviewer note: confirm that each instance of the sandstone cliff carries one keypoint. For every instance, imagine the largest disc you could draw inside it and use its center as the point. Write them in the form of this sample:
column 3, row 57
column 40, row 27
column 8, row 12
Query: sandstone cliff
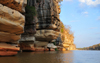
column 67, row 38
column 36, row 27
column 42, row 18
column 48, row 24
column 11, row 25
column 27, row 38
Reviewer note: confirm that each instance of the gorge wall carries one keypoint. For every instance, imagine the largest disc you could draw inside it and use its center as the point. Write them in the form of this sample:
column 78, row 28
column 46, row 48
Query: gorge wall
column 42, row 25
column 36, row 27
column 11, row 25
column 48, row 24
column 27, row 38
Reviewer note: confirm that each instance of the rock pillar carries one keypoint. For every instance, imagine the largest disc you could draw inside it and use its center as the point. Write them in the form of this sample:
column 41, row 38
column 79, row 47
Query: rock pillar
column 27, row 38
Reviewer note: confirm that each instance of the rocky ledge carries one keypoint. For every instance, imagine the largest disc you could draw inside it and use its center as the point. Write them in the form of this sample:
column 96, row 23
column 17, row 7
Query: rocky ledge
column 8, row 49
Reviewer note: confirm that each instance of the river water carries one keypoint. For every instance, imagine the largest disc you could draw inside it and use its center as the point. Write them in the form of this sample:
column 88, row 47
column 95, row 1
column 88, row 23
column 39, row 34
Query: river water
column 54, row 57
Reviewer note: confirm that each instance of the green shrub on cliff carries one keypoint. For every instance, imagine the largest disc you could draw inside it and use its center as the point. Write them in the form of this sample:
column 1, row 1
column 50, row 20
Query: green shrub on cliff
column 62, row 28
column 30, row 10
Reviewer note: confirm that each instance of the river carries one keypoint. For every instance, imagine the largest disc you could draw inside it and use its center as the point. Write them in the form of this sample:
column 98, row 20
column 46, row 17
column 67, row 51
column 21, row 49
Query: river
column 54, row 57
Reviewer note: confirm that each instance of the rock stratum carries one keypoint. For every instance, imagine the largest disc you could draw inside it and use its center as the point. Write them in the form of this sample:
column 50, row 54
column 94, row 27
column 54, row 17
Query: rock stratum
column 32, row 25
column 11, row 25
column 42, row 24
column 67, row 37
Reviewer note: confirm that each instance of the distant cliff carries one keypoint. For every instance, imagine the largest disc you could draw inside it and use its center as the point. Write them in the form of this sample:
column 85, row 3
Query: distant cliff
column 94, row 47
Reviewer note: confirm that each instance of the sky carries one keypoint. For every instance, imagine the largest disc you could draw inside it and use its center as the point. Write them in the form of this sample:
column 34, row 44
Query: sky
column 83, row 16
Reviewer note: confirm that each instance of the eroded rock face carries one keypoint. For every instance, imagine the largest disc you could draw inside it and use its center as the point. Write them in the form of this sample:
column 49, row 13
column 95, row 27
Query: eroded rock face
column 39, row 49
column 48, row 24
column 39, row 43
column 27, row 46
column 48, row 15
column 27, row 38
column 8, row 37
column 46, row 21
column 27, row 42
column 72, row 47
column 11, row 25
column 68, row 40
column 18, row 5
column 11, row 21
column 8, row 49
column 46, row 35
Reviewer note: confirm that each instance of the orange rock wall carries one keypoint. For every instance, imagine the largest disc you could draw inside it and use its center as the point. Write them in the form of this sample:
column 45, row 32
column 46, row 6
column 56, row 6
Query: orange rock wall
column 67, row 38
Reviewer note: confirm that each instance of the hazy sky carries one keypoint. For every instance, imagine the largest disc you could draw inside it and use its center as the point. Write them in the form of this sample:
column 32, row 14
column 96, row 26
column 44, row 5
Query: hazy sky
column 84, row 18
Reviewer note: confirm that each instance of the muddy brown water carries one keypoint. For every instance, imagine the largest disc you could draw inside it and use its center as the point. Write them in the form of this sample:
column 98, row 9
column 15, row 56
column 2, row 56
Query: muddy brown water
column 54, row 57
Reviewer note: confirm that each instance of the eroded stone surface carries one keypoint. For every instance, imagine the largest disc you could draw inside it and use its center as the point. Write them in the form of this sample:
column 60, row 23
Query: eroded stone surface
column 18, row 5
column 7, row 37
column 8, row 49
column 39, row 49
column 11, row 25
column 72, row 47
column 27, row 38
column 40, row 43
column 27, row 46
column 46, row 35
column 11, row 20
column 48, row 14
column 67, row 38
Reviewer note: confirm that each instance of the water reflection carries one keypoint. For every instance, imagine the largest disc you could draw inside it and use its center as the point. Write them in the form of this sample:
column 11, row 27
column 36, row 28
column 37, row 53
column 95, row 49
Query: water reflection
column 40, row 57
column 54, row 57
